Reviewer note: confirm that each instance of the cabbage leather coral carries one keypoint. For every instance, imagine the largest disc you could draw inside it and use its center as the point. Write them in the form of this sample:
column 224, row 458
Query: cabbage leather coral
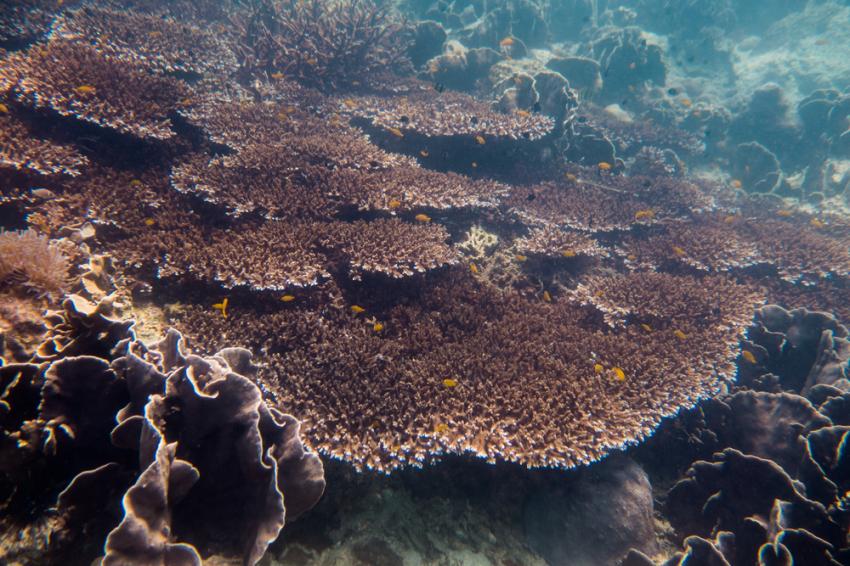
column 21, row 149
column 75, row 80
column 413, row 369
column 155, row 42
column 188, row 477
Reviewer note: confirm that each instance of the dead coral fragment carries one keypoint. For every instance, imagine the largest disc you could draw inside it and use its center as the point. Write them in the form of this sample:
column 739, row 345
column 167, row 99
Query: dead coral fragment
column 29, row 259
column 118, row 94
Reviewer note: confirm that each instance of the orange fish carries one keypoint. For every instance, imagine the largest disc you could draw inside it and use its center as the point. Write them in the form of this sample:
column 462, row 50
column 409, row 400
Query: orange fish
column 619, row 374
column 520, row 257
column 473, row 268
column 424, row 153
column 817, row 223
column 396, row 132
column 749, row 356
column 686, row 102
column 679, row 251
column 377, row 327
column 422, row 218
column 287, row 298
column 679, row 334
column 645, row 214
column 507, row 42
column 568, row 253
column 523, row 113
column 357, row 309
column 604, row 166
column 394, row 203
column 547, row 297
column 736, row 183
column 480, row 140
column 276, row 75
column 449, row 383
column 3, row 108
column 85, row 89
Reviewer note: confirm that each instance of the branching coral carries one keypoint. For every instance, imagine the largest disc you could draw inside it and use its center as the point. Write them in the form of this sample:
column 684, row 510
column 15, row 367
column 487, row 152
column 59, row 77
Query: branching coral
column 551, row 241
column 468, row 368
column 20, row 148
column 327, row 45
column 431, row 114
column 391, row 247
column 151, row 41
column 32, row 259
column 76, row 80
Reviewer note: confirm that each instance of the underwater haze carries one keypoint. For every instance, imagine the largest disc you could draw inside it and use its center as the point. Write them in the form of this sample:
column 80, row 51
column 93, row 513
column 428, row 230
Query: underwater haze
column 425, row 282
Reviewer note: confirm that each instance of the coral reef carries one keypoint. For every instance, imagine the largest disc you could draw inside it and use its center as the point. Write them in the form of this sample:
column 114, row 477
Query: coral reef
column 21, row 148
column 76, row 80
column 197, row 449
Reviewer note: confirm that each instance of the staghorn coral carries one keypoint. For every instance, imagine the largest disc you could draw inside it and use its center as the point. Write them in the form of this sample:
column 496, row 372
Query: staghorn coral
column 597, row 203
column 552, row 242
column 32, row 259
column 510, row 363
column 389, row 246
column 21, row 149
column 326, row 45
column 192, row 478
column 26, row 20
column 666, row 300
column 703, row 243
column 155, row 42
column 286, row 257
column 447, row 114
column 76, row 80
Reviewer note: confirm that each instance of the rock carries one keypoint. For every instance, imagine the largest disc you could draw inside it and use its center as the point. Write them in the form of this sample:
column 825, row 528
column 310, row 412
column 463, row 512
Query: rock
column 583, row 73
column 596, row 518
column 428, row 41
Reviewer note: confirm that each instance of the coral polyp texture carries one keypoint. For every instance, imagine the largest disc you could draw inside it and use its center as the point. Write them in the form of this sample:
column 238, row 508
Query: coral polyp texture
column 21, row 149
column 156, row 42
column 465, row 368
column 431, row 114
column 77, row 81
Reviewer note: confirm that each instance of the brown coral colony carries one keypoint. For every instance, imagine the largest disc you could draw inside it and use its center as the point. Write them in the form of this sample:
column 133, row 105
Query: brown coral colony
column 407, row 296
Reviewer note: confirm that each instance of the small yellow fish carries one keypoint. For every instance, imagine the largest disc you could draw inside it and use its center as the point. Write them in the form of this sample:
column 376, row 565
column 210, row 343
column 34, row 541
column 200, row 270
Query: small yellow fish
column 449, row 382
column 646, row 214
column 784, row 213
column 135, row 183
column 598, row 368
column 736, row 183
column 748, row 356
column 396, row 132
column 631, row 257
column 377, row 327
column 85, row 89
column 287, row 298
column 619, row 374
column 441, row 428
column 817, row 223
column 547, row 297
column 678, row 251
column 604, row 166
column 473, row 268
column 599, row 294
column 480, row 140
column 730, row 219
column 222, row 306
column 3, row 108
column 149, row 221
column 276, row 75
column 312, row 61
column 357, row 309
column 393, row 204
column 686, row 102
column 422, row 218
column 424, row 153
column 646, row 327
column 349, row 103
column 523, row 113
column 154, row 34
column 570, row 177
column 507, row 42
column 679, row 334
column 568, row 253
column 520, row 257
